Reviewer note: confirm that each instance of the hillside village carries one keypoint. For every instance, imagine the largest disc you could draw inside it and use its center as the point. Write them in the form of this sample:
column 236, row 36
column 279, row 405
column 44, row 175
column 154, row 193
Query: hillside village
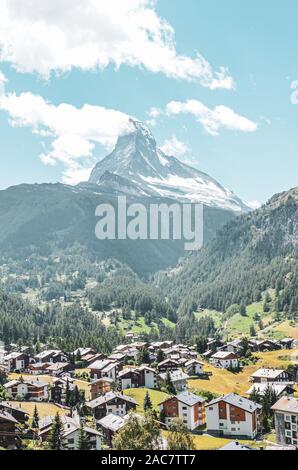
column 237, row 393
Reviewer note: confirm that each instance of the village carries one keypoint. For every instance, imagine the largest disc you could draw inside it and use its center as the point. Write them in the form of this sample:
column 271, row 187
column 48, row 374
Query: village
column 237, row 394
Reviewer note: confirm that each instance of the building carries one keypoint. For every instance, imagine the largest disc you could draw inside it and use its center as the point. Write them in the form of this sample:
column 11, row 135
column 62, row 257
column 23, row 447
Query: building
column 110, row 425
column 71, row 432
column 59, row 389
column 38, row 368
column 286, row 421
column 194, row 367
column 178, row 378
column 142, row 376
column 287, row 343
column 148, row 377
column 264, row 375
column 58, row 368
column 167, row 365
column 83, row 353
column 112, row 402
column 17, row 361
column 129, row 378
column 34, row 390
column 187, row 407
column 105, row 368
column 16, row 411
column 51, row 355
column 225, row 360
column 9, row 433
column 100, row 387
column 279, row 388
column 232, row 415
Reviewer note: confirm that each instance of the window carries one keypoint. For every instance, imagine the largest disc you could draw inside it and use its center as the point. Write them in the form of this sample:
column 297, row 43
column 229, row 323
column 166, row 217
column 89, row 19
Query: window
column 287, row 418
column 70, row 441
column 210, row 408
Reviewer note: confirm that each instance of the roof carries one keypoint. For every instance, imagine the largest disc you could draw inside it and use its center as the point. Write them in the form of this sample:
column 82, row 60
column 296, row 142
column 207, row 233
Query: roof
column 35, row 383
column 83, row 351
column 58, row 365
column 128, row 371
column 189, row 398
column 102, row 364
column 176, row 375
column 267, row 373
column 260, row 388
column 223, row 355
column 193, row 361
column 166, row 361
column 103, row 379
column 8, row 417
column 37, row 365
column 13, row 355
column 116, row 356
column 286, row 404
column 70, row 425
column 11, row 383
column 238, row 401
column 112, row 422
column 49, row 352
column 143, row 367
column 236, row 446
column 108, row 397
column 7, row 404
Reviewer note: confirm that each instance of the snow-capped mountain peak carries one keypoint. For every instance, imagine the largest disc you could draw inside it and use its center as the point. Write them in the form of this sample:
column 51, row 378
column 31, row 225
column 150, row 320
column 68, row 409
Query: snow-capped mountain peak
column 137, row 159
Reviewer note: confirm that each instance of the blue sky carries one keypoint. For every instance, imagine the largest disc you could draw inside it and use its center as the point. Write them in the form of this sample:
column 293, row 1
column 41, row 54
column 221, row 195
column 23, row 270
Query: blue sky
column 257, row 43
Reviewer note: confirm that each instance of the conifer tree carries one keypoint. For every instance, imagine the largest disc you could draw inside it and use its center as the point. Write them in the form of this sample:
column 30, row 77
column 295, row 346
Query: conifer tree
column 169, row 384
column 56, row 436
column 84, row 443
column 147, row 402
column 35, row 420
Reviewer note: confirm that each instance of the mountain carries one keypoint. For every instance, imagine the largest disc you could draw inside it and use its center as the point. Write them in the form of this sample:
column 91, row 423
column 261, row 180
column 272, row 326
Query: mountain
column 145, row 168
column 250, row 254
column 48, row 218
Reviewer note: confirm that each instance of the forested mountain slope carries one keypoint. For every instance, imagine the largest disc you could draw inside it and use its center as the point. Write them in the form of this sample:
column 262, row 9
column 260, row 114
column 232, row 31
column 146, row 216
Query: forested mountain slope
column 250, row 254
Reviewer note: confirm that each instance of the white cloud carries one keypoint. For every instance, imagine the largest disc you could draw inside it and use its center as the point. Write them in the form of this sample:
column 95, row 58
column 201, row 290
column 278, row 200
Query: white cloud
column 3, row 80
column 254, row 204
column 73, row 132
column 59, row 35
column 221, row 117
column 174, row 147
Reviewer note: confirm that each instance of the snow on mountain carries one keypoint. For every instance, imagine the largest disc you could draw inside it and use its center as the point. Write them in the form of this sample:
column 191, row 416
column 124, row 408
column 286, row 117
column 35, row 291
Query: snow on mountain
column 144, row 168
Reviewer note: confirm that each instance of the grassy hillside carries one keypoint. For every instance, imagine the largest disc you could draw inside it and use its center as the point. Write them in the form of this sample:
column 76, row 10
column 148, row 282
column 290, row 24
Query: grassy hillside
column 44, row 409
column 139, row 394
column 222, row 381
